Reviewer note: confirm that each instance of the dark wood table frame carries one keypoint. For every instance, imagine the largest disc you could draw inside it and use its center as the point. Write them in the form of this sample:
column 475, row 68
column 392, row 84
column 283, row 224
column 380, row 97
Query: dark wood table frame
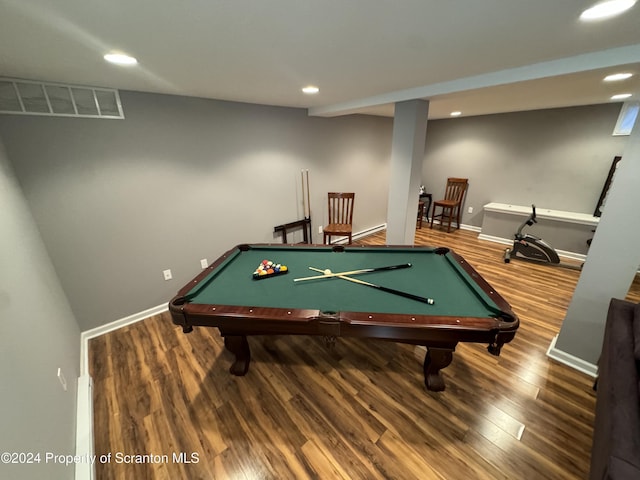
column 235, row 323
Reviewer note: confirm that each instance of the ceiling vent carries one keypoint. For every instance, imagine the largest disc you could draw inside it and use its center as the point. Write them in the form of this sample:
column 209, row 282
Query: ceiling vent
column 24, row 97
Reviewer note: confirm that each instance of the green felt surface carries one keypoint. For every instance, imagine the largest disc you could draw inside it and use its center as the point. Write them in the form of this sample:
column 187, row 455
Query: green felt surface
column 431, row 275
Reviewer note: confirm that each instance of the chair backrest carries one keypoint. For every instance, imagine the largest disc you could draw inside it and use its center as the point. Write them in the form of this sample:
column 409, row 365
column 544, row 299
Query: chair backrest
column 455, row 188
column 341, row 207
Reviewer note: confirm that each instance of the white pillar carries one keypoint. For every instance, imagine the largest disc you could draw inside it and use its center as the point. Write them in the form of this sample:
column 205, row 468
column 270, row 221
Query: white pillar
column 407, row 155
column 612, row 263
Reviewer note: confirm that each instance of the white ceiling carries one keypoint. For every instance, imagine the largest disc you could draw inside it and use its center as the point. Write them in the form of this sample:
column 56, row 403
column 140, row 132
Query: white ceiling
column 477, row 56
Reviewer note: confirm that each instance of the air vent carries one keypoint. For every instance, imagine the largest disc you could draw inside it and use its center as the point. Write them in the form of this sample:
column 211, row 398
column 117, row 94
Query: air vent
column 25, row 97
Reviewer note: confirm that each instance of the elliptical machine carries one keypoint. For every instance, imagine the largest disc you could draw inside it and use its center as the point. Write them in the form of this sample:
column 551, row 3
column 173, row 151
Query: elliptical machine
column 529, row 247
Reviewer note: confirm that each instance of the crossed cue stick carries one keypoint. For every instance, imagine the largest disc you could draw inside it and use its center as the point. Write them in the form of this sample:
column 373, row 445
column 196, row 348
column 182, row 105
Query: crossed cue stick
column 326, row 273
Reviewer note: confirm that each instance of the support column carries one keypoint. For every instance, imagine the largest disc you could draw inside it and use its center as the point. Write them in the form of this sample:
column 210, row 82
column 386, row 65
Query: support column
column 407, row 155
column 611, row 266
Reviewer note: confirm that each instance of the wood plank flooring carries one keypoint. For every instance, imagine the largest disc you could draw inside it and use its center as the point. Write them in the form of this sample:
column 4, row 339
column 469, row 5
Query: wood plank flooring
column 358, row 411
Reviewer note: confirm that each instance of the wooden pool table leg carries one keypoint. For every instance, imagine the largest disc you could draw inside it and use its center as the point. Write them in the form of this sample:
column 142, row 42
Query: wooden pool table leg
column 435, row 360
column 238, row 345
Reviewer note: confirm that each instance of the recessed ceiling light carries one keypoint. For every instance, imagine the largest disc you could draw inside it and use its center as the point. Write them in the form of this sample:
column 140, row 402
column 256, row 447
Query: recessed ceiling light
column 617, row 76
column 621, row 96
column 606, row 9
column 455, row 114
column 120, row 59
column 310, row 89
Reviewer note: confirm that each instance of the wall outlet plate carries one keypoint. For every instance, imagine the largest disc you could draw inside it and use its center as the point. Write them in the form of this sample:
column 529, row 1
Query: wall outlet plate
column 63, row 381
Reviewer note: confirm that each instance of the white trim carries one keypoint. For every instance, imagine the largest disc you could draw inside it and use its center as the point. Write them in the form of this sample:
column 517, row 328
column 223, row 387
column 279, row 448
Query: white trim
column 571, row 360
column 491, row 238
column 84, row 470
column 544, row 213
column 123, row 322
column 382, row 227
column 109, row 327
column 471, row 228
column 462, row 226
column 84, row 409
column 561, row 66
column 571, row 255
column 370, row 231
column 360, row 234
column 561, row 253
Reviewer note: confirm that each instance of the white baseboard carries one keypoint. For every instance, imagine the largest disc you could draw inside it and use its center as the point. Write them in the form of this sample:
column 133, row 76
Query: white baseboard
column 472, row 228
column 506, row 241
column 110, row 327
column 370, row 231
column 84, row 469
column 463, row 226
column 491, row 238
column 360, row 234
column 84, row 410
column 382, row 227
column 116, row 324
column 571, row 255
column 571, row 360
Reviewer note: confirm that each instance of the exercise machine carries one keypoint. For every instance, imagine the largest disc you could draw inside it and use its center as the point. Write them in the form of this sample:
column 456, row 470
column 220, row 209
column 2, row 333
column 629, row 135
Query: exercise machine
column 529, row 247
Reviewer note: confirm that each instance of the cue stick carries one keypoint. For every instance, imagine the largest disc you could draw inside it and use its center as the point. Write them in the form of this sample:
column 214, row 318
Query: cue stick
column 304, row 207
column 384, row 289
column 308, row 199
column 308, row 217
column 306, row 202
column 352, row 272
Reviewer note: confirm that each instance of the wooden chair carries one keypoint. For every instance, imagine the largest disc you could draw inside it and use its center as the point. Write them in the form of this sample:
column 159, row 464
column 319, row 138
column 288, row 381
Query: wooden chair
column 340, row 216
column 452, row 202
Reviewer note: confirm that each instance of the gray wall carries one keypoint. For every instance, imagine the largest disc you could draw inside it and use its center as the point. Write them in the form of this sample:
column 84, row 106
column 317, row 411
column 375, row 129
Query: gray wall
column 612, row 263
column 181, row 179
column 557, row 158
column 38, row 334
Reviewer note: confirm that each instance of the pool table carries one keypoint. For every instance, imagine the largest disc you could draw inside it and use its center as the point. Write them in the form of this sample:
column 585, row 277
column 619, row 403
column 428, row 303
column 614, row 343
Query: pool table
column 465, row 307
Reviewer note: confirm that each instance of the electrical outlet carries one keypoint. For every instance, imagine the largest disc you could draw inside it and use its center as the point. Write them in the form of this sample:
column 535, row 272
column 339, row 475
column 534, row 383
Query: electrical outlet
column 470, row 210
column 320, row 229
column 204, row 263
column 63, row 381
column 167, row 274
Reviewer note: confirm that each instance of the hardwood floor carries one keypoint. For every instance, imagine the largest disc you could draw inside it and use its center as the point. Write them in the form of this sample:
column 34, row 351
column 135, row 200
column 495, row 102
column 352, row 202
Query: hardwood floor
column 358, row 411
